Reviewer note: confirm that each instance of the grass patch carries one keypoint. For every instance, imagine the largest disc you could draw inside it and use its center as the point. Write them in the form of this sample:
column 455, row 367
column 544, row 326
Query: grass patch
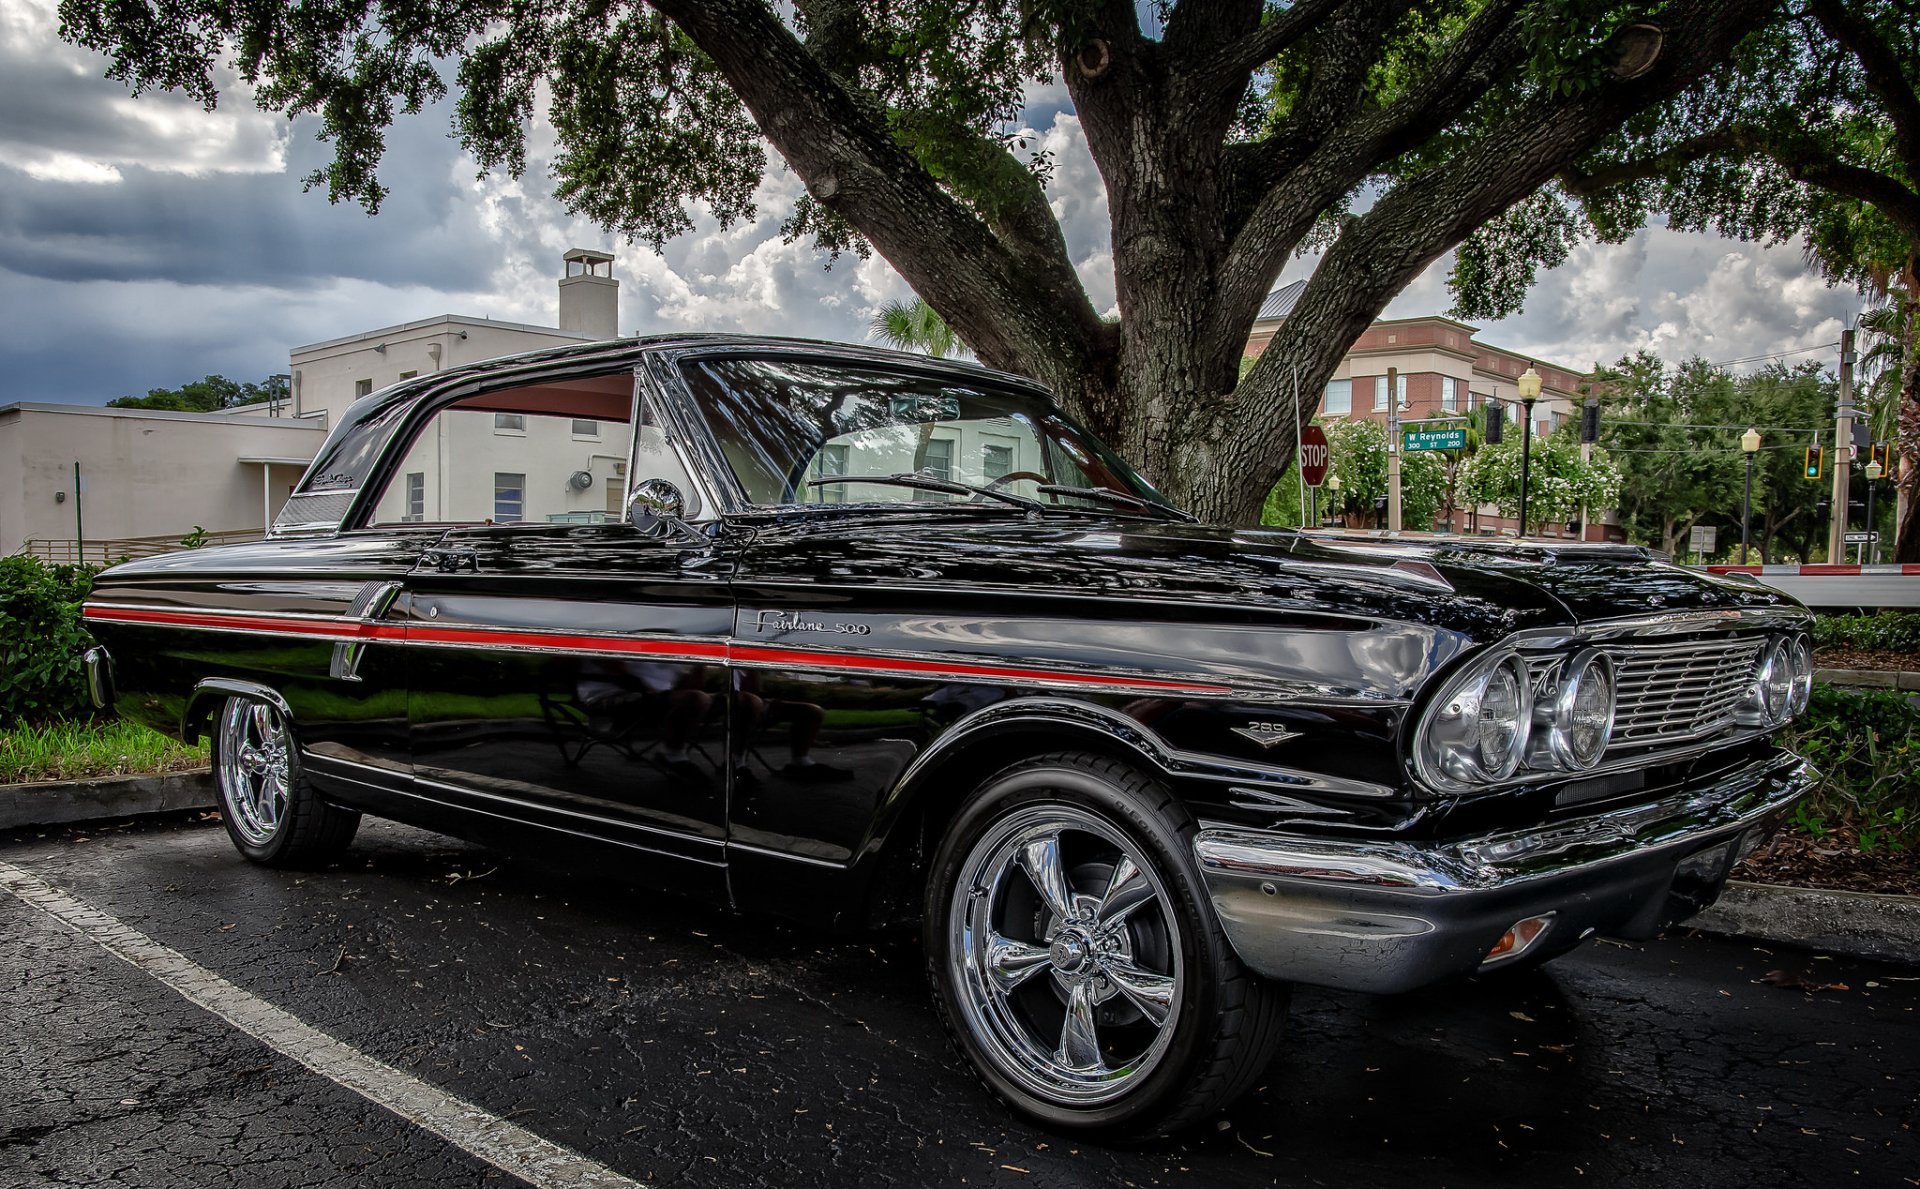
column 82, row 750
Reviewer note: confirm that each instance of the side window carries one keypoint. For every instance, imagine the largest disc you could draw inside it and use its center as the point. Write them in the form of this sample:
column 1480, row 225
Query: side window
column 485, row 461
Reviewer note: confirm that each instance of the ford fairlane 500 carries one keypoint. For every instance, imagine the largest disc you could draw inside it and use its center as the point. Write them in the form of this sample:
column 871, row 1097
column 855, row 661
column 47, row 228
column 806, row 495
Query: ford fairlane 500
column 866, row 638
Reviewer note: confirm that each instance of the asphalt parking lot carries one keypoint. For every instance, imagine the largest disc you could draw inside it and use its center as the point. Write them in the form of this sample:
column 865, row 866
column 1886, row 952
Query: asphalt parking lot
column 610, row 1036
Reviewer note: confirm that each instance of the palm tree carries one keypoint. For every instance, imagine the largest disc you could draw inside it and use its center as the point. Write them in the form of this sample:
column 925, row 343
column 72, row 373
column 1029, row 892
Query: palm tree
column 913, row 326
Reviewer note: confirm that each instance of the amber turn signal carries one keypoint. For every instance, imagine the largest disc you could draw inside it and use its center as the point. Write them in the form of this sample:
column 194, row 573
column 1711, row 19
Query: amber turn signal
column 1519, row 937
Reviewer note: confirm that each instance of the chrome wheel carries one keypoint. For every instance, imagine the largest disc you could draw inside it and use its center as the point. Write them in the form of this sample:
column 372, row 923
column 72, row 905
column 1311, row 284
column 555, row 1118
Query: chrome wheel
column 1067, row 953
column 255, row 768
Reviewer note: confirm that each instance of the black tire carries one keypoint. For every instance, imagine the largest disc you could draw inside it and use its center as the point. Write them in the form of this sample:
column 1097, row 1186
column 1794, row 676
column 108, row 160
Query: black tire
column 1135, row 944
column 272, row 812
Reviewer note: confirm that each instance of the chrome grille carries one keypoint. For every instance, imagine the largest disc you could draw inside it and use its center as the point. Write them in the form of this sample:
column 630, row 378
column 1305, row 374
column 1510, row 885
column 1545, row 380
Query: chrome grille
column 1679, row 691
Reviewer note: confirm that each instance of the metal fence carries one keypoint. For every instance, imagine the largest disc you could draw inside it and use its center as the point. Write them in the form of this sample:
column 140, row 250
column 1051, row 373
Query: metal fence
column 72, row 552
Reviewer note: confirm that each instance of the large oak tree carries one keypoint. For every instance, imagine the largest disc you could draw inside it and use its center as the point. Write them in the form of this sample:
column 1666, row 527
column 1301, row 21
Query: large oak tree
column 1230, row 134
column 1811, row 131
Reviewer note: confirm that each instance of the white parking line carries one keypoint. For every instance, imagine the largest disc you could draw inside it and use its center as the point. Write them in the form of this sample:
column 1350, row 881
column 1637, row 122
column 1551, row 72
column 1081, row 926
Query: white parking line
column 507, row 1147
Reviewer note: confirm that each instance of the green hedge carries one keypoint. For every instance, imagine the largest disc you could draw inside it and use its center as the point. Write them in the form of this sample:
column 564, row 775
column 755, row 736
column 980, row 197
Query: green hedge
column 1893, row 631
column 1866, row 744
column 41, row 639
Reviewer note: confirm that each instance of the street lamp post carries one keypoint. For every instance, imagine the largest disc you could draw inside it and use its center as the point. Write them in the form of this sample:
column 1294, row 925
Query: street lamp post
column 1872, row 546
column 1749, row 446
column 1529, row 384
column 1333, row 499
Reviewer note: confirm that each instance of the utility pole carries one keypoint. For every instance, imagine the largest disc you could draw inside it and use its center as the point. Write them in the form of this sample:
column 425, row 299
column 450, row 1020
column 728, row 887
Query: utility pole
column 1393, row 449
column 1842, row 446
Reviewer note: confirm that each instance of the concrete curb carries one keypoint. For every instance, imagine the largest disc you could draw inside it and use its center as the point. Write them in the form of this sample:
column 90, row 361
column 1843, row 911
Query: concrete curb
column 1853, row 924
column 1900, row 679
column 57, row 802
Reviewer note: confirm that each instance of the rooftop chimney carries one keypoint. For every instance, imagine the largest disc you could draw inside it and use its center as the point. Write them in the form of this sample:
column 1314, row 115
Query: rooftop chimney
column 589, row 296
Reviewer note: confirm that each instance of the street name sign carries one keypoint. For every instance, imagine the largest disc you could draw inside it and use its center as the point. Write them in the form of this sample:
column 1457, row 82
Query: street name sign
column 1858, row 538
column 1436, row 439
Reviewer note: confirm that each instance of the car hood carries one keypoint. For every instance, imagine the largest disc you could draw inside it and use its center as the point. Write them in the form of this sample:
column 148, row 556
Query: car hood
column 1481, row 589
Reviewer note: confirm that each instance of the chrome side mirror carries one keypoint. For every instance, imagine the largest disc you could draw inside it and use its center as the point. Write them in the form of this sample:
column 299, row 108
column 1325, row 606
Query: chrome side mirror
column 655, row 500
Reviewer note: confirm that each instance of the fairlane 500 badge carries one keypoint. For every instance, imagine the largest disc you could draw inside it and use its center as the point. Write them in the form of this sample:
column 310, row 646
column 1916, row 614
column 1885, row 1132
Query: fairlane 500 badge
column 1266, row 734
column 780, row 621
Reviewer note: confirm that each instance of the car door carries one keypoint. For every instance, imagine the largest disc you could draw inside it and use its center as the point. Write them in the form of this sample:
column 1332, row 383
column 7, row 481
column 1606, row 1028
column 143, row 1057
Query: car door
column 566, row 668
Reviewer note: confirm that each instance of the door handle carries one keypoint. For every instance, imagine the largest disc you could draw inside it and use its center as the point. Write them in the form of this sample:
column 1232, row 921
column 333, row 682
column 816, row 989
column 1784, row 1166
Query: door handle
column 450, row 561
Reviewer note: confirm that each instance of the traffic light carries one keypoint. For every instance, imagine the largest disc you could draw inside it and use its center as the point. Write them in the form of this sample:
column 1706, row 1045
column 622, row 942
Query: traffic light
column 1496, row 422
column 1590, row 421
column 1882, row 453
column 1814, row 454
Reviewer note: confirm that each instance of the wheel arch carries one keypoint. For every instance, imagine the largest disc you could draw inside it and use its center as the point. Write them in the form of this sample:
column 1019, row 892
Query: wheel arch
column 915, row 815
column 197, row 719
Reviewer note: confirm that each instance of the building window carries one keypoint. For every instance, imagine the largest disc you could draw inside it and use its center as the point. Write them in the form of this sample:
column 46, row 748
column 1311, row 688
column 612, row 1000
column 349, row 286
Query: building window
column 936, row 463
column 939, row 462
column 1380, row 392
column 416, row 498
column 586, row 429
column 1339, row 398
column 996, row 462
column 509, row 497
column 509, row 423
column 408, row 375
column 1449, row 394
column 832, row 462
column 362, row 388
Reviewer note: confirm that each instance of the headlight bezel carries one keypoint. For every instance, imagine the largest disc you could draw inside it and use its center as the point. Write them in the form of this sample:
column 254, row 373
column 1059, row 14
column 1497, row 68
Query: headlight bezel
column 1574, row 678
column 1447, row 748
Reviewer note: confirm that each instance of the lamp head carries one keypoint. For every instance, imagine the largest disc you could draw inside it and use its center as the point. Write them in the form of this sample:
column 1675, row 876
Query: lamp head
column 1875, row 470
column 1750, row 441
column 1529, row 383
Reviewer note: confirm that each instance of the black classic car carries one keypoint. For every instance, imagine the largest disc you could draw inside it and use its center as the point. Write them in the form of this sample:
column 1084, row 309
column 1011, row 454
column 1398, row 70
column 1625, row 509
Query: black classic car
column 866, row 638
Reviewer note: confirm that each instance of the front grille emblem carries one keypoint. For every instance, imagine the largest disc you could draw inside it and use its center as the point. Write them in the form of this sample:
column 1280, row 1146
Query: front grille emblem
column 1267, row 734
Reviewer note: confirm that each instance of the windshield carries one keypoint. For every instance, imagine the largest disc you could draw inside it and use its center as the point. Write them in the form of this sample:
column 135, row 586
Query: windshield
column 786, row 425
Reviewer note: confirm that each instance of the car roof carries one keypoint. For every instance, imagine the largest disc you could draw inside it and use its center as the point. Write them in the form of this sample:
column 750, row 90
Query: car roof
column 616, row 352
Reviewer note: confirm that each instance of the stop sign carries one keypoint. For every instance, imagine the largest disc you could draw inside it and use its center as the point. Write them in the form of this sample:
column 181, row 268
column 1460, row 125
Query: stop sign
column 1313, row 455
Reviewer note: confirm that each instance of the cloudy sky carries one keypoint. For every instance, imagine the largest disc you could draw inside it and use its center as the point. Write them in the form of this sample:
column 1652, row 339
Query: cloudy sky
column 146, row 243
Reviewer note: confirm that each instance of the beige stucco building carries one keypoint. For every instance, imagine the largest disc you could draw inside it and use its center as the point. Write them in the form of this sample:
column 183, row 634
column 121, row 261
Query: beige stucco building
column 147, row 478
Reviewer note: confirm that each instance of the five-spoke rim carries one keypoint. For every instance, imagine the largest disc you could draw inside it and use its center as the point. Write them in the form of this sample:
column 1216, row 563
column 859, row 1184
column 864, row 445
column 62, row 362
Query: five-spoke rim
column 254, row 768
column 1067, row 954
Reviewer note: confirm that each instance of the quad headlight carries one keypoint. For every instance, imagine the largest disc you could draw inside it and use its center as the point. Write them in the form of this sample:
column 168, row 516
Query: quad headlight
column 1476, row 732
column 1579, row 720
column 1782, row 682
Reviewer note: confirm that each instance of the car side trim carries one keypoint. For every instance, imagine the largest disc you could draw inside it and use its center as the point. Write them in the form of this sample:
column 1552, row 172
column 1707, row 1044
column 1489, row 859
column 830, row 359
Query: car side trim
column 666, row 647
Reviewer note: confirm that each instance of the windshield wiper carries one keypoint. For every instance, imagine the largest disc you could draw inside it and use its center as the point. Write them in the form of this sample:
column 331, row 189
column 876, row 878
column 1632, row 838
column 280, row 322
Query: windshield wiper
column 1111, row 496
column 928, row 483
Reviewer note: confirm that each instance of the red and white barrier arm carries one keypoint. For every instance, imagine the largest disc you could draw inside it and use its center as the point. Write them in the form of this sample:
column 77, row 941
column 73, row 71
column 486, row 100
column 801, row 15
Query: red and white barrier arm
column 1839, row 585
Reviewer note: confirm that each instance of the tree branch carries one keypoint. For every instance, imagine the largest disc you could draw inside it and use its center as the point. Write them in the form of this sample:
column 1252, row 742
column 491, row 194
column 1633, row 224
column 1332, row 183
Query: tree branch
column 1025, row 311
column 1274, row 37
column 1885, row 78
column 1795, row 150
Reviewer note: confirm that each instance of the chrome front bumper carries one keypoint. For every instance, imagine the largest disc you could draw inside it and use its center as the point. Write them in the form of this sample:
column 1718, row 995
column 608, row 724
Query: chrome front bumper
column 1391, row 916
